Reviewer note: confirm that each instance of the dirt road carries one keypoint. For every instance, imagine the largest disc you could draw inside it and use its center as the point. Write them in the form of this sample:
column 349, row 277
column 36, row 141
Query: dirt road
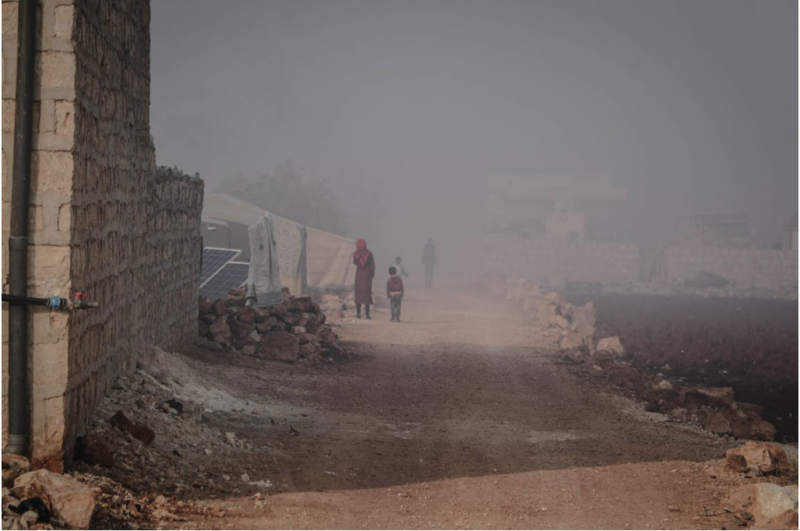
column 454, row 418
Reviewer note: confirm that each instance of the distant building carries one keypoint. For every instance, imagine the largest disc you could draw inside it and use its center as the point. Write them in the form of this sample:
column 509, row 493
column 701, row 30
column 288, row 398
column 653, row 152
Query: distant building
column 560, row 207
column 735, row 227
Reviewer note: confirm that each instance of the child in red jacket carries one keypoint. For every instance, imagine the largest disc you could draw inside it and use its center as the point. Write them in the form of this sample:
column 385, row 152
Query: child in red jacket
column 394, row 290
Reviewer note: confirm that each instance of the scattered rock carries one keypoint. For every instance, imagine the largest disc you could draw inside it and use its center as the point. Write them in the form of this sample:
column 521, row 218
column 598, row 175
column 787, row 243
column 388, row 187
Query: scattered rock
column 281, row 346
column 68, row 499
column 612, row 345
column 664, row 385
column 138, row 431
column 772, row 506
column 713, row 397
column 762, row 430
column 14, row 466
column 94, row 451
column 760, row 458
column 247, row 315
column 570, row 341
column 717, row 423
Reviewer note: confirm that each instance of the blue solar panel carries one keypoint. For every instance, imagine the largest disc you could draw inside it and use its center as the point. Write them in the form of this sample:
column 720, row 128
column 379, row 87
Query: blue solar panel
column 232, row 275
column 215, row 259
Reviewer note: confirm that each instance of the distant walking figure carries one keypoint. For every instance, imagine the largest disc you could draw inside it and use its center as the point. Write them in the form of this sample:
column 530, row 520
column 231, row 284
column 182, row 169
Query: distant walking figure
column 365, row 271
column 429, row 259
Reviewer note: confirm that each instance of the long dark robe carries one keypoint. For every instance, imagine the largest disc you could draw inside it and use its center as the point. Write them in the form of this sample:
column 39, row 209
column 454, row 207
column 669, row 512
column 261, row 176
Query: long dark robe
column 364, row 276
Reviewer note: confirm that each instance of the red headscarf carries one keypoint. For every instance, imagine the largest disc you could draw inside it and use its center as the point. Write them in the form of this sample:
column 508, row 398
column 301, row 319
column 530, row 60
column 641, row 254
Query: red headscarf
column 362, row 254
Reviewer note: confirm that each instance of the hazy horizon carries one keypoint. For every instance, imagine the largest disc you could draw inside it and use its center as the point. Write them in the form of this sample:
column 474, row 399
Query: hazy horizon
column 408, row 106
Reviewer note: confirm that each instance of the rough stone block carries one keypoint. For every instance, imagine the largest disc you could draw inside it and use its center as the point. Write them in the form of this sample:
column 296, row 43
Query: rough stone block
column 64, row 22
column 52, row 171
column 56, row 70
column 10, row 18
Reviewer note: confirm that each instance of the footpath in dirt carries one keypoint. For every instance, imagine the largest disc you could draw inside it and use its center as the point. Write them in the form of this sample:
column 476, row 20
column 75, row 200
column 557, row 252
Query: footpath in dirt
column 455, row 418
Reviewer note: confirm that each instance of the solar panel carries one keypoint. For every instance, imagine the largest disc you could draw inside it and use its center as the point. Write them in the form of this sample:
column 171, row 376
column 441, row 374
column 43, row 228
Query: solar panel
column 232, row 275
column 213, row 260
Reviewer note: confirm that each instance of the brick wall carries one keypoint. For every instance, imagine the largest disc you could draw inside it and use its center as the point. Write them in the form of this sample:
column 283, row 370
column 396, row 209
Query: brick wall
column 539, row 259
column 101, row 220
column 759, row 268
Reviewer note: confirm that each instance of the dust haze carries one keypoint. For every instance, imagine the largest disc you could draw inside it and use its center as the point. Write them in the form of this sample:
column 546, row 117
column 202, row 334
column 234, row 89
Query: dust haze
column 407, row 107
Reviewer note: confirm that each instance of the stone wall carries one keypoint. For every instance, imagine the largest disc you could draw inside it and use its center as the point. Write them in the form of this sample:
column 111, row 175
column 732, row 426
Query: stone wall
column 757, row 268
column 539, row 260
column 102, row 221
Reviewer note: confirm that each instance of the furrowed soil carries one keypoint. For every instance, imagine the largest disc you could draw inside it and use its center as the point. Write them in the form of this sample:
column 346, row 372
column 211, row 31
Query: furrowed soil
column 456, row 417
column 747, row 344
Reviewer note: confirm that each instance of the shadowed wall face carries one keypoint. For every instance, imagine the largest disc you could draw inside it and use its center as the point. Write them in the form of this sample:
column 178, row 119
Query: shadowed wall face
column 103, row 221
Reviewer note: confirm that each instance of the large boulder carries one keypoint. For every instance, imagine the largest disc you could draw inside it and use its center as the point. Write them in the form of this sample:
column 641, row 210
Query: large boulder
column 239, row 329
column 612, row 345
column 311, row 321
column 583, row 320
column 220, row 307
column 69, row 500
column 291, row 318
column 760, row 458
column 713, row 397
column 270, row 324
column 772, row 506
column 220, row 331
column 281, row 346
column 247, row 315
column 718, row 423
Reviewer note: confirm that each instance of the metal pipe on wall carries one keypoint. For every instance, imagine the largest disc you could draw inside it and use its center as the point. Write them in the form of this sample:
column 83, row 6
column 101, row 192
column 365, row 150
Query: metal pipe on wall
column 18, row 409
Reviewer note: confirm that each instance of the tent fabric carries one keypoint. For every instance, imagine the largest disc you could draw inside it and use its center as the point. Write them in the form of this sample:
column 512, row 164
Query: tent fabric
column 329, row 256
column 228, row 208
column 290, row 239
column 263, row 280
column 329, row 259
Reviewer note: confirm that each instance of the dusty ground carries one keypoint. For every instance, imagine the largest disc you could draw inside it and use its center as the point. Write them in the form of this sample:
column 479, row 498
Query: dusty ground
column 452, row 419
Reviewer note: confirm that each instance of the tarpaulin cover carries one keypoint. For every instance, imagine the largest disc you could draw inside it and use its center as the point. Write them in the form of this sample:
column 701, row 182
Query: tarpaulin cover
column 329, row 259
column 290, row 239
column 263, row 281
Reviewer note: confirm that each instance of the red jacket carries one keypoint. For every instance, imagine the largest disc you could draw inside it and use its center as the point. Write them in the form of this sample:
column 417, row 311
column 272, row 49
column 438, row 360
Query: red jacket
column 394, row 283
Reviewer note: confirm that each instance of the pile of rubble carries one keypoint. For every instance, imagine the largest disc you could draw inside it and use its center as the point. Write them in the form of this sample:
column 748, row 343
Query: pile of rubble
column 565, row 325
column 571, row 329
column 293, row 330
column 163, row 429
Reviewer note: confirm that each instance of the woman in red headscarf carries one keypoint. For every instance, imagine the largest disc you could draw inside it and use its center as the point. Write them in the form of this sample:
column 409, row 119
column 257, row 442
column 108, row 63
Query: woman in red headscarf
column 365, row 271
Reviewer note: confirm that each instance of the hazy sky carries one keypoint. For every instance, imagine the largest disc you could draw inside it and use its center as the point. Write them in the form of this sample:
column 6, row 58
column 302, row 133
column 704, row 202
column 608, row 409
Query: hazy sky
column 692, row 105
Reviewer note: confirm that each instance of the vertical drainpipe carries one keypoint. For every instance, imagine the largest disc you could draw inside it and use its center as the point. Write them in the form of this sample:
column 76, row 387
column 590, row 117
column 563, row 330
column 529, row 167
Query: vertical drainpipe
column 18, row 410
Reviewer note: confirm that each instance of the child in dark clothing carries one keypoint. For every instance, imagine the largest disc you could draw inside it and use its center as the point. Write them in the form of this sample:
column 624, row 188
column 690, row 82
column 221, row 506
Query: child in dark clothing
column 394, row 290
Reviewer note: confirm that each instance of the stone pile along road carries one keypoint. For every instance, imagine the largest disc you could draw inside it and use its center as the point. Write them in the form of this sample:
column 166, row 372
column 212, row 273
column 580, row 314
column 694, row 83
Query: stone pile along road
column 458, row 417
